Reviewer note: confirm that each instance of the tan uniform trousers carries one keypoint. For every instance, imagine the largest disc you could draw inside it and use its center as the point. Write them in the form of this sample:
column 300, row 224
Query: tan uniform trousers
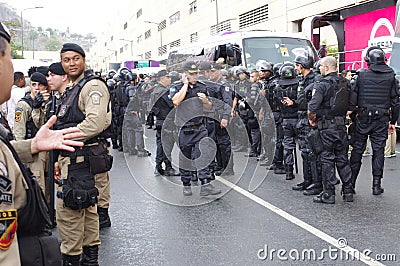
column 39, row 168
column 77, row 228
column 102, row 183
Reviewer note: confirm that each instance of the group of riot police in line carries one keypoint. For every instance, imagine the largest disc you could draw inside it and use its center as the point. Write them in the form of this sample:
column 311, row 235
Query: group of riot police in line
column 268, row 112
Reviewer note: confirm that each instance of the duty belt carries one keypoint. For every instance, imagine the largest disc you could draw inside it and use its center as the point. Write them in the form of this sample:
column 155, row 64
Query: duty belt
column 325, row 123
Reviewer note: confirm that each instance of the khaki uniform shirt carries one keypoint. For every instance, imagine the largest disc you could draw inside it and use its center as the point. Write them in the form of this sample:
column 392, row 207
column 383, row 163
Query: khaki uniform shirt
column 23, row 113
column 94, row 102
column 13, row 198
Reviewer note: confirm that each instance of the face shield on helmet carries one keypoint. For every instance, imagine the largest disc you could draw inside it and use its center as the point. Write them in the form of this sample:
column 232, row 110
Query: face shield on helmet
column 287, row 71
column 262, row 65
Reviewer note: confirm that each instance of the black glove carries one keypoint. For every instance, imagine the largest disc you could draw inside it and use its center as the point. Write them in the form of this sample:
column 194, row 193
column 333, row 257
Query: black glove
column 38, row 100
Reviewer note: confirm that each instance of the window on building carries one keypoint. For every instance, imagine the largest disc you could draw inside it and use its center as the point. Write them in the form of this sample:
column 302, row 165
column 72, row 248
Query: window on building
column 139, row 39
column 175, row 17
column 176, row 43
column 192, row 7
column 194, row 37
column 147, row 55
column 253, row 17
column 222, row 26
column 162, row 25
column 147, row 34
column 112, row 38
column 162, row 50
column 105, row 44
column 125, row 25
column 121, row 50
column 139, row 13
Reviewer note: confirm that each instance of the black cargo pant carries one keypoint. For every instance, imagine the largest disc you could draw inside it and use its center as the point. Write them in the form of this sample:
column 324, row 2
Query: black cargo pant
column 335, row 144
column 377, row 130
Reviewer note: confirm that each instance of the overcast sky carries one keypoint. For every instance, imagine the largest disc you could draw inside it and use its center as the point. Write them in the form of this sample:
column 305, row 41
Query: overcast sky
column 81, row 16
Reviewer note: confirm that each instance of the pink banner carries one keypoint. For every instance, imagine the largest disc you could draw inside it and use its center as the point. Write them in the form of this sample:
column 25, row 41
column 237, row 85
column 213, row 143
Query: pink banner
column 372, row 28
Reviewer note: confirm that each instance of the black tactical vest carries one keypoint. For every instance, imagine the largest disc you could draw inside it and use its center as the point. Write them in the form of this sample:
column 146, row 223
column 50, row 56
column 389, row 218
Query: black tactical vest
column 31, row 129
column 69, row 115
column 287, row 88
column 374, row 89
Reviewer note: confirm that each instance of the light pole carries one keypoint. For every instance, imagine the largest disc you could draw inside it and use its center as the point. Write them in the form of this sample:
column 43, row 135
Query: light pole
column 158, row 25
column 22, row 26
column 131, row 41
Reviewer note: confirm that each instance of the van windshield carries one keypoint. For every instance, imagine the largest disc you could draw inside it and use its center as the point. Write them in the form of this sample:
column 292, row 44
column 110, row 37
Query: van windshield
column 275, row 49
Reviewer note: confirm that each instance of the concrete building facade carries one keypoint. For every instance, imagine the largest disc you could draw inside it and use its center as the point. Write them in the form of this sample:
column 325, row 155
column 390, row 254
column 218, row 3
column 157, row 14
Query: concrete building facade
column 148, row 30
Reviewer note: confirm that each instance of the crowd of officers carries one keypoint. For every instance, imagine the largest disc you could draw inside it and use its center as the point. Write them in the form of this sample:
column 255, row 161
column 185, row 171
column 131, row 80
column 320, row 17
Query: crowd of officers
column 265, row 112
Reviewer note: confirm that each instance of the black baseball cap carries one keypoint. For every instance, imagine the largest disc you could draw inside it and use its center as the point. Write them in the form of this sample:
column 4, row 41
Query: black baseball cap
column 39, row 77
column 72, row 47
column 56, row 68
column 162, row 73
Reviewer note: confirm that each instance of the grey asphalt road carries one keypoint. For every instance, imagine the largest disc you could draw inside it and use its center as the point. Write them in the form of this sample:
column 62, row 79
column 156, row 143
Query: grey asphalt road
column 272, row 225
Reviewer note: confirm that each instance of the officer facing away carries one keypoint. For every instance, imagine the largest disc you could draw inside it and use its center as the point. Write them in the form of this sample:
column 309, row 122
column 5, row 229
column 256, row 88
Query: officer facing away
column 375, row 101
column 327, row 109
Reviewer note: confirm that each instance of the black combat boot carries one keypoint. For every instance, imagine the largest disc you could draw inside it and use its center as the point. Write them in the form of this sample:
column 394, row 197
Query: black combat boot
column 104, row 219
column 347, row 192
column 90, row 256
column 279, row 169
column 169, row 170
column 159, row 170
column 313, row 189
column 376, row 186
column 68, row 260
column 289, row 172
column 306, row 175
column 325, row 197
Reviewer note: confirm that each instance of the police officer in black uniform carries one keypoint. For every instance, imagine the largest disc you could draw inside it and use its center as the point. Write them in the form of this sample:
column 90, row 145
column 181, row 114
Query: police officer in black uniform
column 190, row 100
column 122, row 100
column 285, row 95
column 161, row 105
column 327, row 109
column 269, row 86
column 224, row 155
column 312, row 180
column 375, row 100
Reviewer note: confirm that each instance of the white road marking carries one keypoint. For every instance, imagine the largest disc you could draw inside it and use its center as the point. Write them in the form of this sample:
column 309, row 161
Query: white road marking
column 327, row 238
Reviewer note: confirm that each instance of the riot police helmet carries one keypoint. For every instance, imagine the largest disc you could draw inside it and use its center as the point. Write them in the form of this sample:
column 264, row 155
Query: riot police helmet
column 117, row 77
column 316, row 66
column 262, row 65
column 110, row 74
column 375, row 55
column 175, row 76
column 305, row 61
column 275, row 69
column 111, row 83
column 240, row 70
column 123, row 73
column 224, row 73
column 287, row 71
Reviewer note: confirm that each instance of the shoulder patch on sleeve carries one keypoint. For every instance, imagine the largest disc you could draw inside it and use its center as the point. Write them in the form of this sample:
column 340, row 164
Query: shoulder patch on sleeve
column 18, row 114
column 95, row 96
column 8, row 228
